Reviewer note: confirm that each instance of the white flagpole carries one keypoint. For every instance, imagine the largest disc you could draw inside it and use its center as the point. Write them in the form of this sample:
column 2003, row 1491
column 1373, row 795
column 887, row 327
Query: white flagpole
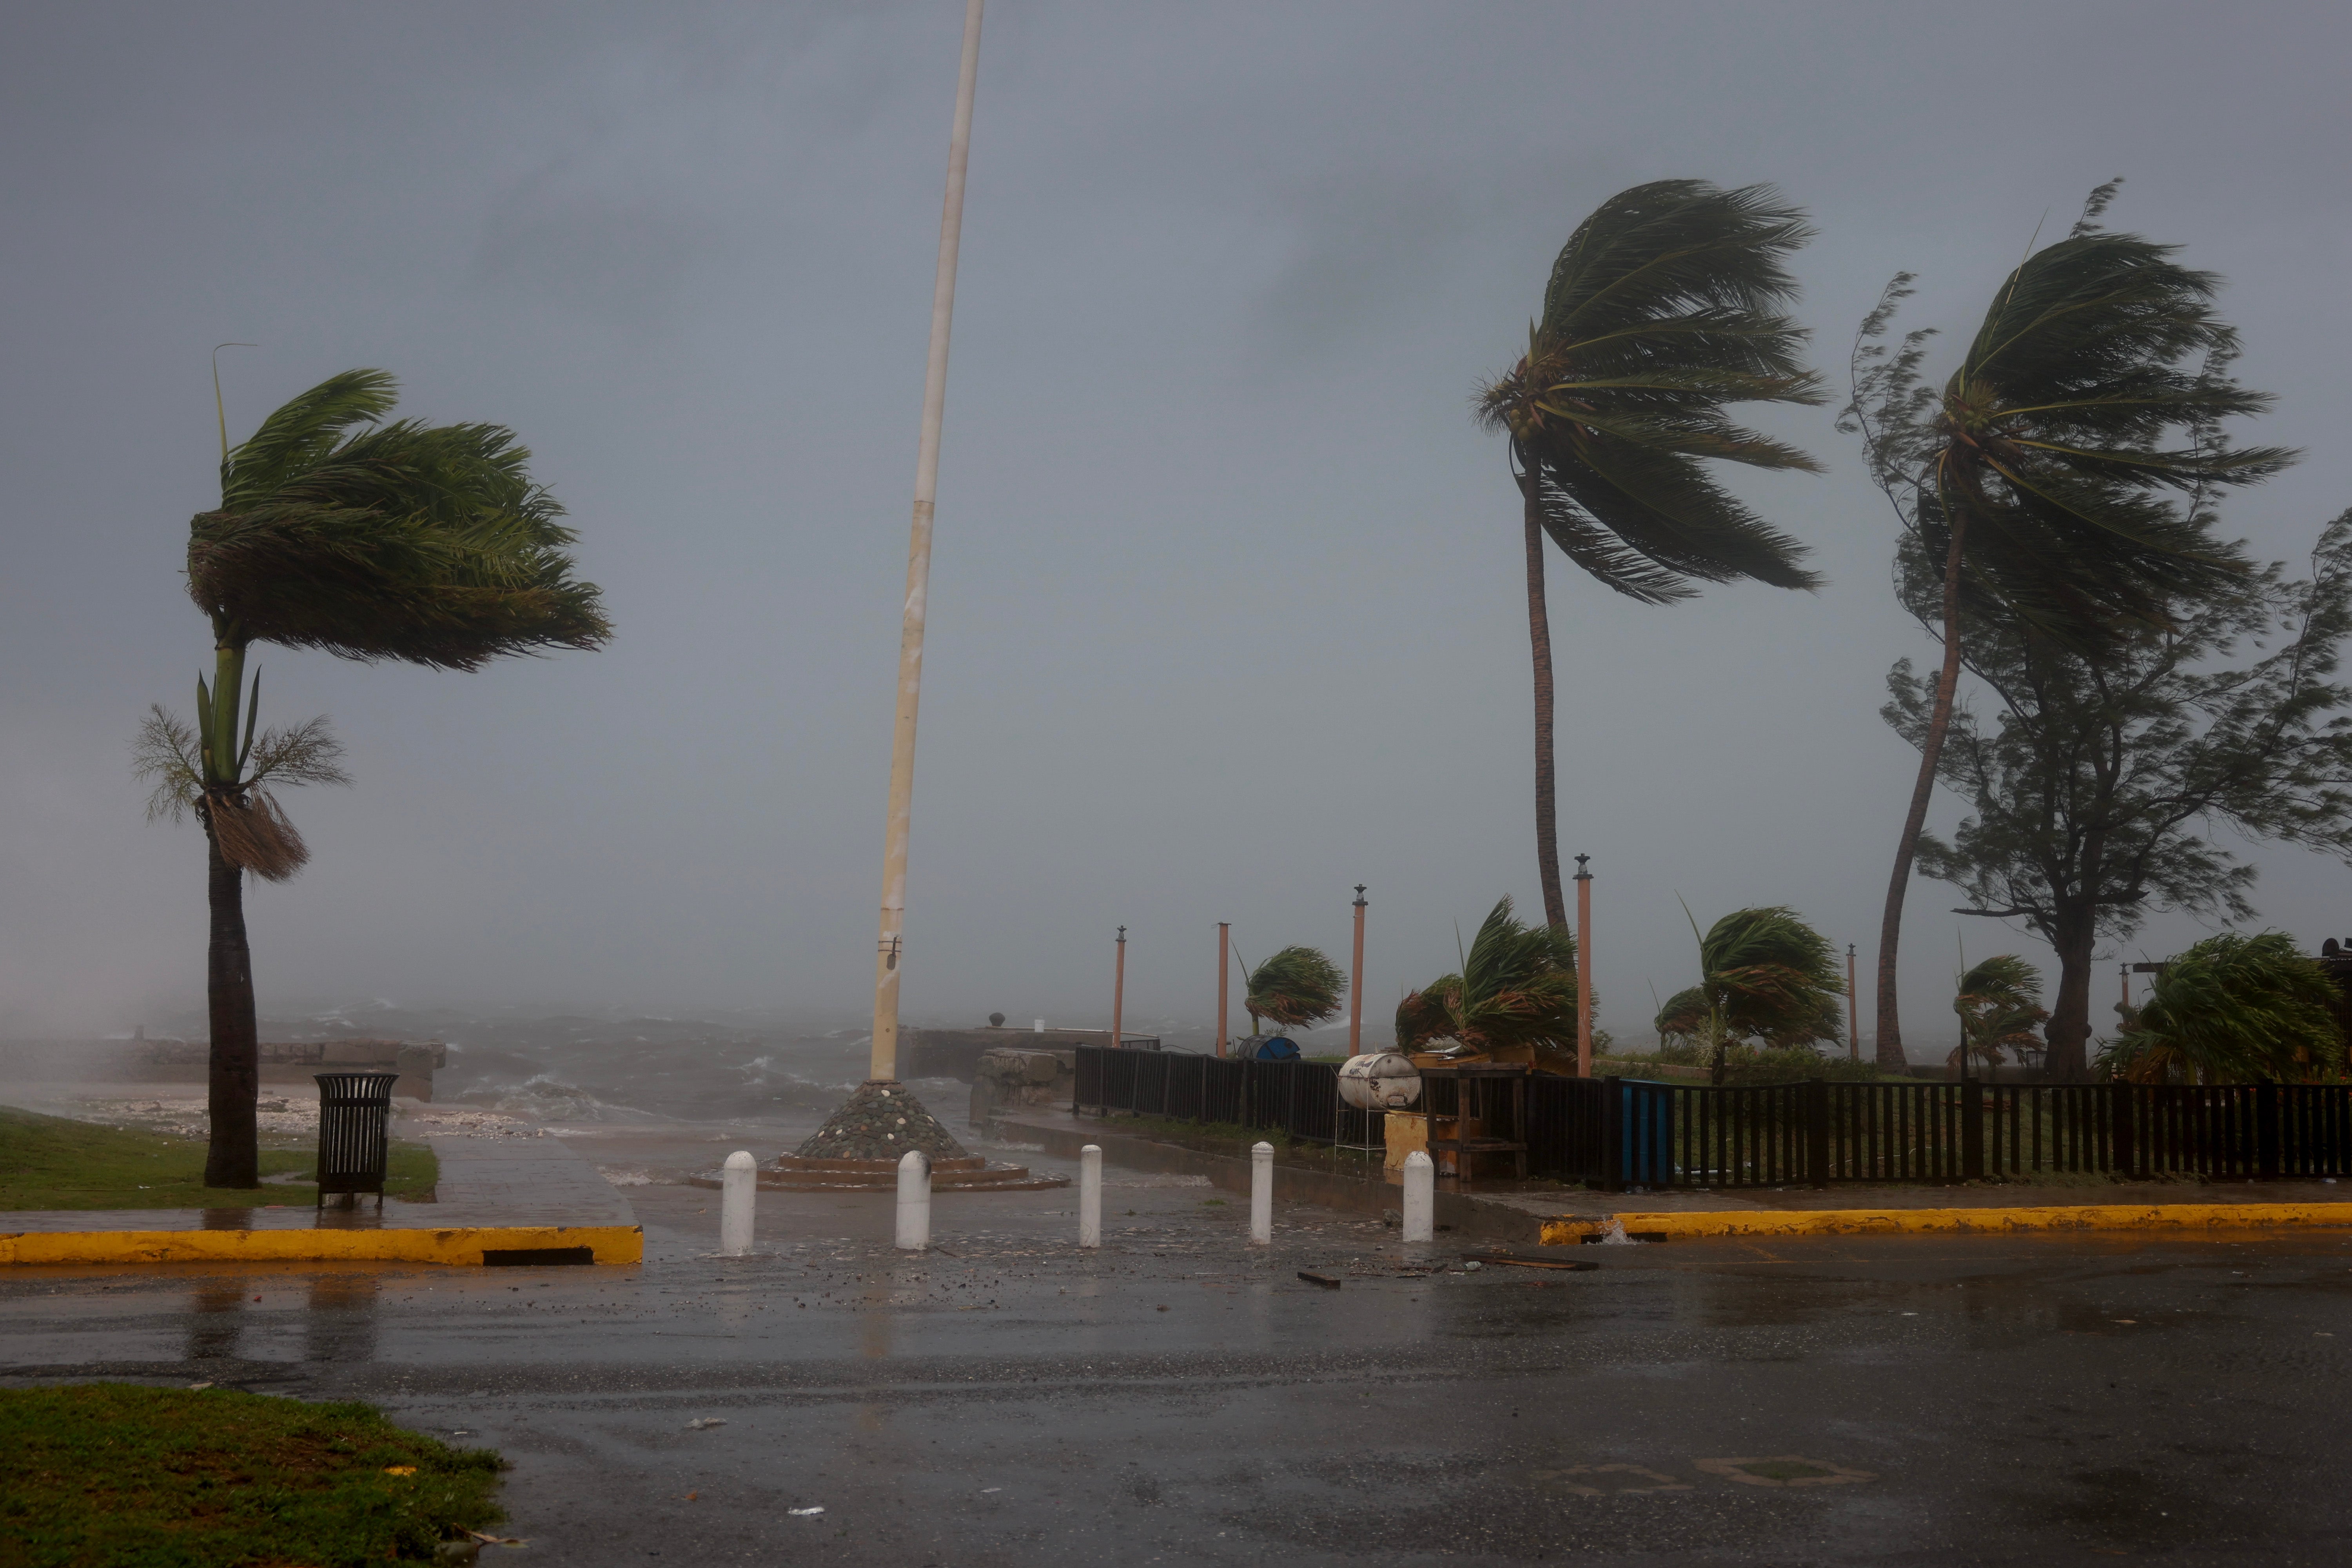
column 889, row 955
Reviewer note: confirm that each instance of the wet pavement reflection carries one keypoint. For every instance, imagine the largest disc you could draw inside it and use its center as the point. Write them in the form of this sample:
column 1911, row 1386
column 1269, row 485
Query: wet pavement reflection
column 1182, row 1397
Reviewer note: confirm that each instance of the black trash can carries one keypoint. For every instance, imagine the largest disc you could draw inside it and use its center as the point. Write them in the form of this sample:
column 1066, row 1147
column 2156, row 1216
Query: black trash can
column 354, row 1131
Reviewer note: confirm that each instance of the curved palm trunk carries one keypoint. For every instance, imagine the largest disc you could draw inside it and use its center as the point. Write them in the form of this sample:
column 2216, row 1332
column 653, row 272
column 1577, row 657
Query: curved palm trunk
column 1939, row 720
column 1539, row 641
column 232, row 1159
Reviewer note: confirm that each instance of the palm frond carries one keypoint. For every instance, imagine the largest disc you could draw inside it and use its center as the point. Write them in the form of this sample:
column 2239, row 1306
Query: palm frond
column 165, row 757
column 304, row 753
column 2233, row 1009
column 2079, row 440
column 1998, row 1002
column 1428, row 1013
column 1517, row 987
column 1765, row 972
column 1683, row 1016
column 1298, row 988
column 255, row 834
column 426, row 544
column 301, row 433
column 1663, row 309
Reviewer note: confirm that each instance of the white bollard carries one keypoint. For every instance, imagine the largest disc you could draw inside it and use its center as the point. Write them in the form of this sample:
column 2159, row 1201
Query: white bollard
column 739, row 1186
column 1420, row 1198
column 1262, row 1195
column 915, row 1201
column 1090, row 1195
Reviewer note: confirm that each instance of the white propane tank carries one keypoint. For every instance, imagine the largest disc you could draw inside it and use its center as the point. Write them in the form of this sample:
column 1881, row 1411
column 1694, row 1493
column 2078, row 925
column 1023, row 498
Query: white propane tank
column 1380, row 1080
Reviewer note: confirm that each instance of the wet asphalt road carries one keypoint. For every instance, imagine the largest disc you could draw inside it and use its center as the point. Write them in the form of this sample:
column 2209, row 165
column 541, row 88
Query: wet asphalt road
column 1176, row 1399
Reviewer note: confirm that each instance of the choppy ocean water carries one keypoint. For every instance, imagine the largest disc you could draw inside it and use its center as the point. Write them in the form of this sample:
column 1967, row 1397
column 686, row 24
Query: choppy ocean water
column 652, row 1092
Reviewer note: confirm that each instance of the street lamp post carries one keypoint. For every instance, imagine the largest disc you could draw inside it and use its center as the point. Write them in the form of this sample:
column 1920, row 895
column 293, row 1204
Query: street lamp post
column 1355, row 983
column 1583, row 968
column 1118, row 995
column 1852, row 1017
column 1223, row 927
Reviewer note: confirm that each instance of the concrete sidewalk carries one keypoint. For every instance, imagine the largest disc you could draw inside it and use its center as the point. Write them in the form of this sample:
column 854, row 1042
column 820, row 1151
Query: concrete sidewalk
column 494, row 1198
column 1543, row 1211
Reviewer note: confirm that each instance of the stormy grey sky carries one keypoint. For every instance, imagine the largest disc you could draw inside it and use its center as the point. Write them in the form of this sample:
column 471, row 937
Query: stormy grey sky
column 1227, row 612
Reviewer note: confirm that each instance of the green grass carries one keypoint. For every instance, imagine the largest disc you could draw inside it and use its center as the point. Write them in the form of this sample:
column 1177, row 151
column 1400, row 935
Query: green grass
column 55, row 1162
column 110, row 1475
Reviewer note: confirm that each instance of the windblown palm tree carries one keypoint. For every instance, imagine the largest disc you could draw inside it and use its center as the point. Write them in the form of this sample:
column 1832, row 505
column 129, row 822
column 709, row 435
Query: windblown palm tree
column 1662, row 309
column 2062, row 478
column 1298, row 988
column 1517, row 987
column 1764, row 975
column 1999, row 1004
column 373, row 540
column 2233, row 1009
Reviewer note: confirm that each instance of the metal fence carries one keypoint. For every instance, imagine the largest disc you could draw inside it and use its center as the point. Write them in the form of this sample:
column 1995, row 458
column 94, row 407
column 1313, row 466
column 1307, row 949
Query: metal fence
column 1626, row 1132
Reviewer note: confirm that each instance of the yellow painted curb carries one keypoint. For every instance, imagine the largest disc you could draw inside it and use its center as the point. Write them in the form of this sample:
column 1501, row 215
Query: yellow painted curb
column 462, row 1245
column 1573, row 1229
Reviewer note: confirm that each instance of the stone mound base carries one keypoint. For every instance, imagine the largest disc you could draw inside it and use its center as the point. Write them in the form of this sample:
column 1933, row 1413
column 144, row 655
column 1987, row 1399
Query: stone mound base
column 881, row 1120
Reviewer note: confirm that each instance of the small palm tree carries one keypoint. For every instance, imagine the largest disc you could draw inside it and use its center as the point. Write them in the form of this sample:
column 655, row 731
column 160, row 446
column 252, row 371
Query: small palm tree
column 2060, row 479
column 1999, row 1004
column 2233, row 1009
column 373, row 540
column 1298, row 988
column 1662, row 309
column 1763, row 973
column 1517, row 987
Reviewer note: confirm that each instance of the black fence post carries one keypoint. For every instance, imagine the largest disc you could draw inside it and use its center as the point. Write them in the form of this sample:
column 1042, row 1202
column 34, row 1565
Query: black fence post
column 2267, row 1132
column 1972, row 1121
column 2122, row 1157
column 1817, row 1132
column 1612, row 1134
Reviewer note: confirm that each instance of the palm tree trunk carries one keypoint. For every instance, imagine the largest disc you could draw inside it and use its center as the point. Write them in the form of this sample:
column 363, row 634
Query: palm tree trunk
column 1539, row 641
column 1940, row 722
column 233, row 1158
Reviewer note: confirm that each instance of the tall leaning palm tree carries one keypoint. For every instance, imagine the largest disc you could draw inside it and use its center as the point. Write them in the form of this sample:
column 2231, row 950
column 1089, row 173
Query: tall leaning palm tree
column 373, row 540
column 2063, row 476
column 1663, row 309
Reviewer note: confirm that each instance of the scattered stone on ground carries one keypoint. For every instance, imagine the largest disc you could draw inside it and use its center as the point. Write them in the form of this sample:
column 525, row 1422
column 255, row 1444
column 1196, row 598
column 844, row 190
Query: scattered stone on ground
column 192, row 1118
column 465, row 1124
